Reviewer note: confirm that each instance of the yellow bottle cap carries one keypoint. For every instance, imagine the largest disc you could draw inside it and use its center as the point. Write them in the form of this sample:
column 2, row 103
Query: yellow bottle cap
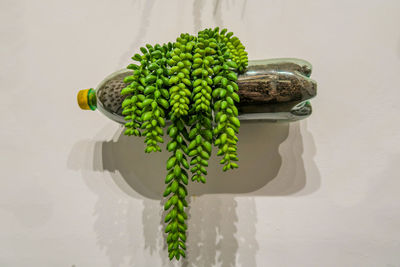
column 83, row 99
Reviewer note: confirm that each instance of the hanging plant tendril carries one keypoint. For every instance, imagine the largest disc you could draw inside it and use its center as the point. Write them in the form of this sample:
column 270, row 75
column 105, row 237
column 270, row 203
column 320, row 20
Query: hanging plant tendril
column 193, row 83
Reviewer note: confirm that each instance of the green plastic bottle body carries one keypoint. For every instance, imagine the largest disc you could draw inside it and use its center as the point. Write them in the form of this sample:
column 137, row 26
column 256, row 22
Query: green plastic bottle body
column 273, row 89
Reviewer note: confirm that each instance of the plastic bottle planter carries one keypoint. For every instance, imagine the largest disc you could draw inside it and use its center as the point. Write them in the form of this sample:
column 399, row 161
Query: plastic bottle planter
column 273, row 89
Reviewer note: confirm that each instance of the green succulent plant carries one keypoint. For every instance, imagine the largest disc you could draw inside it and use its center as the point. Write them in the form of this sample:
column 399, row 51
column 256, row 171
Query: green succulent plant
column 193, row 83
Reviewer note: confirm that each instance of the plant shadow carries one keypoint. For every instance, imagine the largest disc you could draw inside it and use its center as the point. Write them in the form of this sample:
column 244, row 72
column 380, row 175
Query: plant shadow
column 272, row 163
column 258, row 149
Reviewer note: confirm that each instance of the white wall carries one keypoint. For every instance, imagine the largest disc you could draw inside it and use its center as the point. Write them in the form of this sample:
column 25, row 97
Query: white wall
column 320, row 192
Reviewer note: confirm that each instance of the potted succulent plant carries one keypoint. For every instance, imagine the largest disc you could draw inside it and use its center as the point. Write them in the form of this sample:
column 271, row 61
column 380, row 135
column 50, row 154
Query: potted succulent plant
column 192, row 85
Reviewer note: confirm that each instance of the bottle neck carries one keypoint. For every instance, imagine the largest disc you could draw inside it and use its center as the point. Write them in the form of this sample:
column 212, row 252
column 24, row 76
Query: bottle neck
column 92, row 100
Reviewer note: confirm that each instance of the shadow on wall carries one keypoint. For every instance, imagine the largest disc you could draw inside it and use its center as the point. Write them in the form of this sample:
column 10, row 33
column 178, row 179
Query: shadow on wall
column 272, row 163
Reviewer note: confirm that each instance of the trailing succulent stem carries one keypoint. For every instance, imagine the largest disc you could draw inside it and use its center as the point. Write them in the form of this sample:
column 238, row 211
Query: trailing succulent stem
column 176, row 180
column 150, row 84
column 193, row 83
column 201, row 113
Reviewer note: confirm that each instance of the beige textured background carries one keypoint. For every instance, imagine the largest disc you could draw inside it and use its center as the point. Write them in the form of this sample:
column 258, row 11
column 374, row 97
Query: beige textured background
column 320, row 192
